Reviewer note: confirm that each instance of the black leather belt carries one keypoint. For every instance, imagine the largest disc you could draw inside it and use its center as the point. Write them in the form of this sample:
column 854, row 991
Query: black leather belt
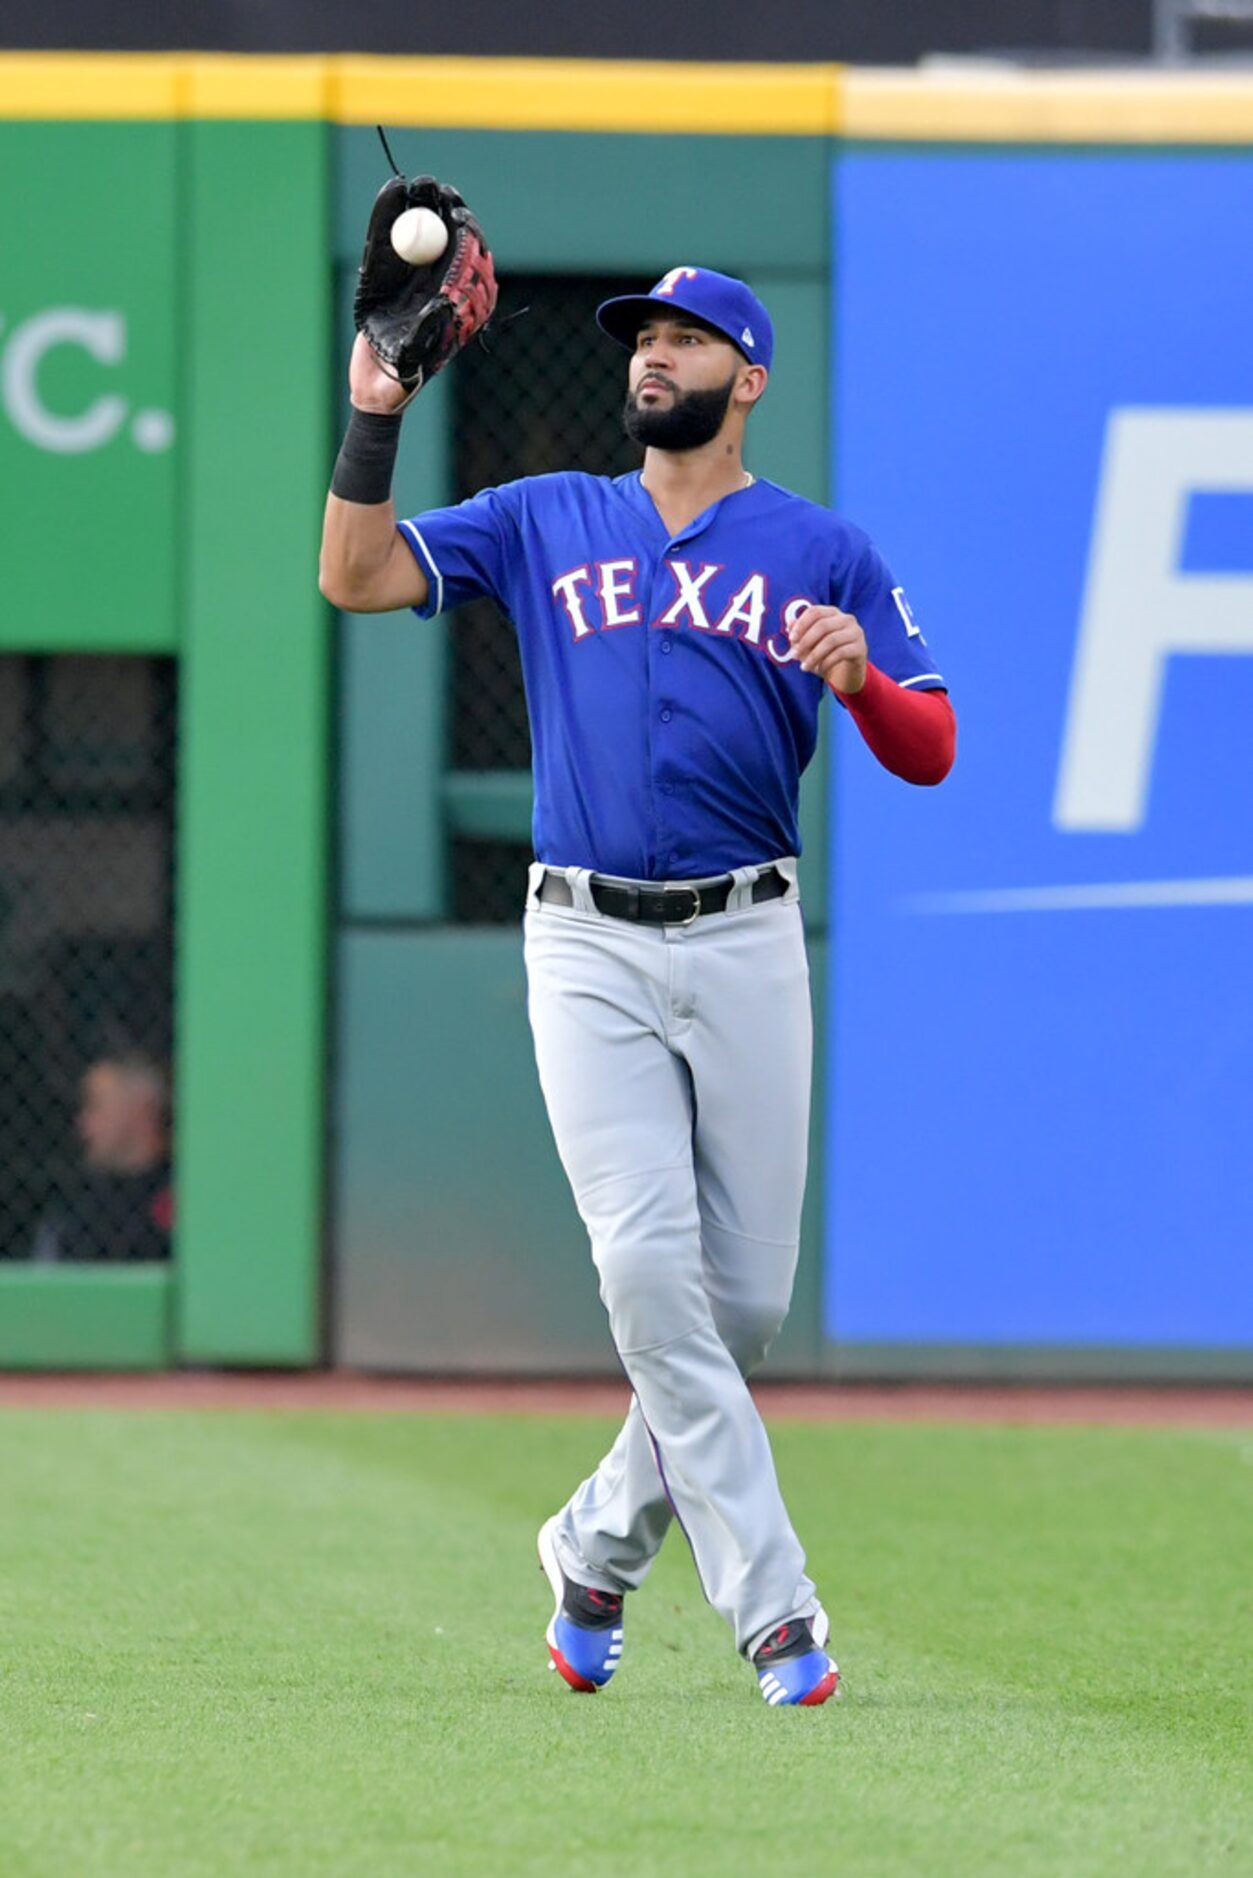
column 661, row 906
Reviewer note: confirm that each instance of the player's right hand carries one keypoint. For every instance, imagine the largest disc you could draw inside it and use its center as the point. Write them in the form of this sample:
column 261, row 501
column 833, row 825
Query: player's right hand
column 369, row 386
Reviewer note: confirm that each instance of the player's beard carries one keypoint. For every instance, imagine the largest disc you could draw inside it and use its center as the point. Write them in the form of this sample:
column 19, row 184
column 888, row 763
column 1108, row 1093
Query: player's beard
column 693, row 418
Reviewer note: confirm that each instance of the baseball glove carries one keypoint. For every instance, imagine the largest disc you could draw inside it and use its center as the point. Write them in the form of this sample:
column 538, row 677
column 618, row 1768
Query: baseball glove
column 417, row 318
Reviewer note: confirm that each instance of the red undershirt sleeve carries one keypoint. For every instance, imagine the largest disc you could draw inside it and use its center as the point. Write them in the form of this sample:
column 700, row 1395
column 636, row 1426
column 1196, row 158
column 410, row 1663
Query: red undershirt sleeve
column 912, row 733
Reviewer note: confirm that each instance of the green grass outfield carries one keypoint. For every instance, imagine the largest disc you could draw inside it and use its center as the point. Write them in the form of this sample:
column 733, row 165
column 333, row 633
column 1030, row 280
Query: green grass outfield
column 312, row 1644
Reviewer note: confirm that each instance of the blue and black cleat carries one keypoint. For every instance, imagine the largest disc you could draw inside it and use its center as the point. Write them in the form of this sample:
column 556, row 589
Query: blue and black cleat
column 793, row 1668
column 585, row 1635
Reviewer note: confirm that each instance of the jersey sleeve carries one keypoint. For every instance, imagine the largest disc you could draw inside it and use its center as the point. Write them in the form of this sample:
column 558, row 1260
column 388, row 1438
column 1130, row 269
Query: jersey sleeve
column 894, row 640
column 464, row 551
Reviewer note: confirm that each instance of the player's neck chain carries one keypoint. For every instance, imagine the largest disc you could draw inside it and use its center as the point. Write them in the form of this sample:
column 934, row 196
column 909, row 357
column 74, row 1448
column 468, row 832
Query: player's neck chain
column 749, row 480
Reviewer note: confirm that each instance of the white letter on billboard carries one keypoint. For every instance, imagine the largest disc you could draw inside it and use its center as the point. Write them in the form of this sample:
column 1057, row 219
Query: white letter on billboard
column 103, row 335
column 1139, row 609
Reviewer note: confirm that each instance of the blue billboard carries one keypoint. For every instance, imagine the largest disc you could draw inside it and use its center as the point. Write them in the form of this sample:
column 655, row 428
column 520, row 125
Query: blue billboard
column 1041, row 1108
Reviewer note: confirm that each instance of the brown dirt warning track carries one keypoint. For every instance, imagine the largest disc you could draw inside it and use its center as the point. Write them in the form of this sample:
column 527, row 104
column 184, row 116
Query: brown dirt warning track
column 1112, row 1405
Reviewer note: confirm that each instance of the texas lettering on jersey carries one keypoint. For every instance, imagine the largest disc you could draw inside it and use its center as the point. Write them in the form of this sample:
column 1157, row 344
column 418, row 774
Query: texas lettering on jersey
column 602, row 595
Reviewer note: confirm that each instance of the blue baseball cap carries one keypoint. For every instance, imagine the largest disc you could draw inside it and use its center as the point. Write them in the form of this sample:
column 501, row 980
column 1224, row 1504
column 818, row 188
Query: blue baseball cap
column 719, row 300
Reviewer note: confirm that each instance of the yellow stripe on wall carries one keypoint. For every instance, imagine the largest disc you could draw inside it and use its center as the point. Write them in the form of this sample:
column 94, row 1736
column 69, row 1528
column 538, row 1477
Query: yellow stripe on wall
column 235, row 85
column 441, row 93
column 587, row 95
column 62, row 85
column 993, row 104
column 1001, row 105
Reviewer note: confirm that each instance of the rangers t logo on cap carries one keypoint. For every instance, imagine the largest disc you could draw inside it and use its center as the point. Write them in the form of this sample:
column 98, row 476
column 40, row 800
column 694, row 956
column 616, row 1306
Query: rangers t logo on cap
column 668, row 282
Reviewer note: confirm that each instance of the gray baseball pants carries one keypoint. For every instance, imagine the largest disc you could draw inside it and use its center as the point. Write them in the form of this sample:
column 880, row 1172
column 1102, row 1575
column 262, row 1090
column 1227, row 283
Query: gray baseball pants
column 675, row 1063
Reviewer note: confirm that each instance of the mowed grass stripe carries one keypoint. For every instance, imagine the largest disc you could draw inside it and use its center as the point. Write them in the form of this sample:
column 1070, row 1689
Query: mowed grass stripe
column 312, row 1644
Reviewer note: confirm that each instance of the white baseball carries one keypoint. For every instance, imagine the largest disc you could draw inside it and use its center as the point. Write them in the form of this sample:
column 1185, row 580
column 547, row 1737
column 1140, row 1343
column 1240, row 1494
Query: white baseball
column 419, row 236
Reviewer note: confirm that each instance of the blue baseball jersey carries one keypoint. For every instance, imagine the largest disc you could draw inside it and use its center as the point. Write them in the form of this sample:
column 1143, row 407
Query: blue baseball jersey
column 670, row 722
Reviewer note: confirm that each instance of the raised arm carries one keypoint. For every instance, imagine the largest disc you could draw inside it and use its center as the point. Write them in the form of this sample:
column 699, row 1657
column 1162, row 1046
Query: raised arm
column 365, row 566
column 411, row 319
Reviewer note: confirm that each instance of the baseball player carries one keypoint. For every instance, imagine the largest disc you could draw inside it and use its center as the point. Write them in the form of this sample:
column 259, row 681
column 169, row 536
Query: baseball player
column 679, row 629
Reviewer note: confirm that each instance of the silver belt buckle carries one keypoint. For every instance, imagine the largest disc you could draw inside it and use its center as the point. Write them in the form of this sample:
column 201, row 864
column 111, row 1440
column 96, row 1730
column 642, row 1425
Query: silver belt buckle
column 694, row 915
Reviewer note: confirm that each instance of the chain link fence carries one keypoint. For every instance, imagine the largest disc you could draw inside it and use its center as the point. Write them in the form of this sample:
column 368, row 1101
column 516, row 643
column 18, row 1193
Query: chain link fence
column 547, row 396
column 87, row 751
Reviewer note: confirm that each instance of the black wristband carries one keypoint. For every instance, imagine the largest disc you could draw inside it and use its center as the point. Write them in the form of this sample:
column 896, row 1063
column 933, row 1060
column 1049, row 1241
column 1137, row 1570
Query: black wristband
column 367, row 457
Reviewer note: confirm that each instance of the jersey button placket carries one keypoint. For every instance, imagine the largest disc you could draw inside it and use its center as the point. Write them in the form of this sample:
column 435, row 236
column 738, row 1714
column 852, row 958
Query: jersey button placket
column 664, row 786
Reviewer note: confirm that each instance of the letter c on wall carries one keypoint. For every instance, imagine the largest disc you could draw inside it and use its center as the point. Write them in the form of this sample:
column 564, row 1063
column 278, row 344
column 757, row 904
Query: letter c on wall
column 103, row 335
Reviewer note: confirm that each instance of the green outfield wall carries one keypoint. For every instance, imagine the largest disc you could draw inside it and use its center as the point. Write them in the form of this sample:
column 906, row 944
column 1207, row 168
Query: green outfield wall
column 164, row 460
column 361, row 1151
